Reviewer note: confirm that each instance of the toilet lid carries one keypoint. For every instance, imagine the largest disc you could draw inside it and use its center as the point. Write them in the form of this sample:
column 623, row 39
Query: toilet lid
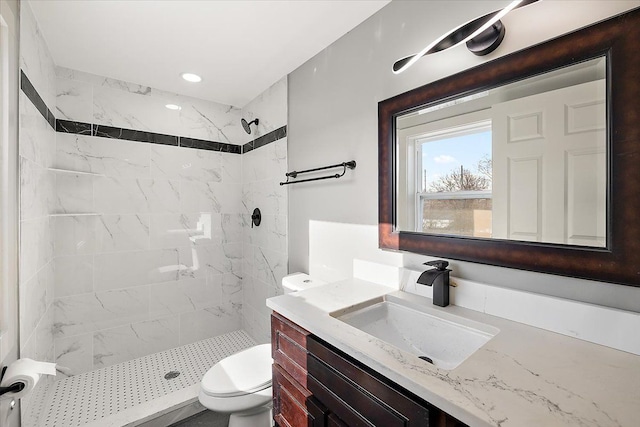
column 245, row 372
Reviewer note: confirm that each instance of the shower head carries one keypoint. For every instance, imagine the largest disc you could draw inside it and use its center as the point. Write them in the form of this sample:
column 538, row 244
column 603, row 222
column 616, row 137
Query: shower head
column 246, row 125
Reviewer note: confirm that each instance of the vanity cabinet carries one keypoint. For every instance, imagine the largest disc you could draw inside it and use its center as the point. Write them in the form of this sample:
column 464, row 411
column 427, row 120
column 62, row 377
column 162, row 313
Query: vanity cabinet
column 315, row 384
column 293, row 404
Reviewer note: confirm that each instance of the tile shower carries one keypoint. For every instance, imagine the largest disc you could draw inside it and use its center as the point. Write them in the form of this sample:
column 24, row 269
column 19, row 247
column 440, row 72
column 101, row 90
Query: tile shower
column 135, row 219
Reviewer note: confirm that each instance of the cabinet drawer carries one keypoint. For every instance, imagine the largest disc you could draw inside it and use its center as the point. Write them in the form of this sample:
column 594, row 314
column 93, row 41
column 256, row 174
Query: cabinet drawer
column 357, row 396
column 288, row 346
column 293, row 406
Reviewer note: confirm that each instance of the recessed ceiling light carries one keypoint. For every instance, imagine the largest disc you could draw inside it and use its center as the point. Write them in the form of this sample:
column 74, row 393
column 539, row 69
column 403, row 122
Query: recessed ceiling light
column 173, row 107
column 190, row 77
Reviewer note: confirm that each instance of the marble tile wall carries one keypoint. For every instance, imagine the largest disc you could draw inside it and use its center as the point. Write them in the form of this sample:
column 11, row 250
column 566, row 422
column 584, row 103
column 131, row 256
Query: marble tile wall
column 89, row 98
column 270, row 107
column 264, row 261
column 159, row 266
column 36, row 155
column 157, row 260
column 135, row 248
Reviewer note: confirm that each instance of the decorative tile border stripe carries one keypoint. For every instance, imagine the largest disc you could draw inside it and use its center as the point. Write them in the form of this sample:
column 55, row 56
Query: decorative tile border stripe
column 265, row 139
column 210, row 145
column 144, row 136
column 134, row 135
column 66, row 126
column 80, row 128
column 51, row 119
column 30, row 91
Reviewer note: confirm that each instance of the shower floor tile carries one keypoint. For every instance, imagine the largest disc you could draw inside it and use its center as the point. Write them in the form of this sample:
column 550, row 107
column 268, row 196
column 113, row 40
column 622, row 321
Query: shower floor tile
column 110, row 396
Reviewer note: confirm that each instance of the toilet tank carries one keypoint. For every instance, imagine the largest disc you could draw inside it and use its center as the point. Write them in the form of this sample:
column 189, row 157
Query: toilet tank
column 298, row 282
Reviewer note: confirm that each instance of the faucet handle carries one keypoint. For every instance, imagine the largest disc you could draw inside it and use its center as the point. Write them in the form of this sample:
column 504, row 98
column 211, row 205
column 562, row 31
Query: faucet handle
column 439, row 264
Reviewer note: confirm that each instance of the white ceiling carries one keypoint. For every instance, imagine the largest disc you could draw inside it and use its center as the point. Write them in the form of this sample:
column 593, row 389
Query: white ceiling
column 239, row 47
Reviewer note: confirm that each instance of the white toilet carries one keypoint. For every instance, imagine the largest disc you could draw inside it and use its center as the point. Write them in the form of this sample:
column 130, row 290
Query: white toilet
column 241, row 383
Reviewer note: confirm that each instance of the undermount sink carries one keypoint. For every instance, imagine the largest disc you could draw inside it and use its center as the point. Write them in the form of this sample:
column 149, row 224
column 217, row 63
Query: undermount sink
column 411, row 325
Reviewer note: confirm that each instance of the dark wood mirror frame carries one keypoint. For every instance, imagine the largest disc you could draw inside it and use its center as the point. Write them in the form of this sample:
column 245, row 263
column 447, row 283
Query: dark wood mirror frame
column 618, row 39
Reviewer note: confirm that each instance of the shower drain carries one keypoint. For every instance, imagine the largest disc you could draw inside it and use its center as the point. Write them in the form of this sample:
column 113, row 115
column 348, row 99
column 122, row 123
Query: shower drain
column 171, row 375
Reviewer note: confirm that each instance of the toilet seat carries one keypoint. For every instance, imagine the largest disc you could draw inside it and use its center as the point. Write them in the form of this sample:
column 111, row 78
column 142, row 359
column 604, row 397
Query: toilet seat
column 243, row 373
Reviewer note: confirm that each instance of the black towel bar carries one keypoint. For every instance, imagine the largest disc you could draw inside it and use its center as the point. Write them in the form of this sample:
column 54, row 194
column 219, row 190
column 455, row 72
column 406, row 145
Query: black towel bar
column 294, row 174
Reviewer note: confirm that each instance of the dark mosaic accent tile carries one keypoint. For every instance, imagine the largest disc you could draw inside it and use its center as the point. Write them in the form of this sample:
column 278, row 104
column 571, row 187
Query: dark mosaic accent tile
column 247, row 147
column 209, row 145
column 270, row 137
column 265, row 139
column 33, row 95
column 51, row 119
column 67, row 126
column 134, row 135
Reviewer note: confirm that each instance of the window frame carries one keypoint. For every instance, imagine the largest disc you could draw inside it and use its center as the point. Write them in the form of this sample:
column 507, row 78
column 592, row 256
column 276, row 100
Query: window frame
column 409, row 160
column 450, row 132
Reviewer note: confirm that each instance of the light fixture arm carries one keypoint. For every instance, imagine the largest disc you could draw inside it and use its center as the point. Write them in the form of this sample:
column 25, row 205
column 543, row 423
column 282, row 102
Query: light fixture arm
column 482, row 36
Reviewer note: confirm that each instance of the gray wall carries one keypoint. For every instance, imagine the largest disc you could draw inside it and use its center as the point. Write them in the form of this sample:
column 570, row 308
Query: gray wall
column 8, row 213
column 333, row 118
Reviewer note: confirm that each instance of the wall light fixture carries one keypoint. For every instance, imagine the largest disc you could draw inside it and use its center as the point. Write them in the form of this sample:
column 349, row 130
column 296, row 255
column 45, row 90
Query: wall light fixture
column 482, row 36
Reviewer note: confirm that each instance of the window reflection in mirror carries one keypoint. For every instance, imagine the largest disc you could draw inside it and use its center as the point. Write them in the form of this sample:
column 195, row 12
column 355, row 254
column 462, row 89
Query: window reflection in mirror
column 526, row 161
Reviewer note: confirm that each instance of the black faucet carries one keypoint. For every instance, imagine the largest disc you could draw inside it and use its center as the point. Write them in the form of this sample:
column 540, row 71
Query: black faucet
column 437, row 277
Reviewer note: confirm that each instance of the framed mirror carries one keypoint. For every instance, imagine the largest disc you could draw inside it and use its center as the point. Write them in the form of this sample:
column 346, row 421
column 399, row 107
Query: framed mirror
column 528, row 161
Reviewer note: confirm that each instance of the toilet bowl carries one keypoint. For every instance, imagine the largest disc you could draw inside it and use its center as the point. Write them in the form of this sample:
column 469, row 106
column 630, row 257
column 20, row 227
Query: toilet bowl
column 240, row 384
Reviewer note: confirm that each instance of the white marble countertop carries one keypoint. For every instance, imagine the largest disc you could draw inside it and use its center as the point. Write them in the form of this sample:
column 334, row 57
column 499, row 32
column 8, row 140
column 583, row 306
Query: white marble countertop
column 524, row 376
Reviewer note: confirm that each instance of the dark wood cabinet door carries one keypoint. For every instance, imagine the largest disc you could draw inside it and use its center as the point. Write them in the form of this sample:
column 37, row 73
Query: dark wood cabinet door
column 357, row 397
column 289, row 347
column 360, row 396
column 293, row 405
column 317, row 385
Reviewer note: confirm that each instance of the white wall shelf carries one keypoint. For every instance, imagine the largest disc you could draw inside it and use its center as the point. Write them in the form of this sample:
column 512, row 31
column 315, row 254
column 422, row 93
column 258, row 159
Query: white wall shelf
column 76, row 214
column 74, row 172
